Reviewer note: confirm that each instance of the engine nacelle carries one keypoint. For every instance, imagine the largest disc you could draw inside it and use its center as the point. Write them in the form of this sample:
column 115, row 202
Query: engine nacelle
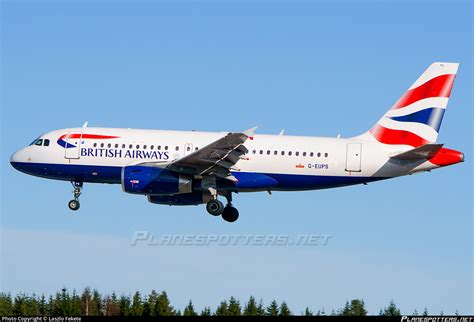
column 154, row 180
column 185, row 199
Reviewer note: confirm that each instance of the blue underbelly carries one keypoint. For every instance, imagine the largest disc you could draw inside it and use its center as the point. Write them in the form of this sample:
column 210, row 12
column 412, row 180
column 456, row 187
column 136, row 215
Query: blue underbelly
column 247, row 181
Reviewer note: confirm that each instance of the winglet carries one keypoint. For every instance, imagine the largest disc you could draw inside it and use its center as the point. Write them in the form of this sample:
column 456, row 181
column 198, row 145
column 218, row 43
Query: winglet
column 250, row 132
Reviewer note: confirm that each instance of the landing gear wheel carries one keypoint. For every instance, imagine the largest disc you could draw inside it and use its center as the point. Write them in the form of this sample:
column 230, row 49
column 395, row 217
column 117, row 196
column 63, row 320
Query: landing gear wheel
column 74, row 205
column 215, row 207
column 230, row 214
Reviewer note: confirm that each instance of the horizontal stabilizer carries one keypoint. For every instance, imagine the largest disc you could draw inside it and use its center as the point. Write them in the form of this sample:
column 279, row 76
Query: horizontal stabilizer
column 423, row 152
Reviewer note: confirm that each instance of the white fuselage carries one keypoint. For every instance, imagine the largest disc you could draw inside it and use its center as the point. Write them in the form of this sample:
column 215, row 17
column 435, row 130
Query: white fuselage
column 93, row 159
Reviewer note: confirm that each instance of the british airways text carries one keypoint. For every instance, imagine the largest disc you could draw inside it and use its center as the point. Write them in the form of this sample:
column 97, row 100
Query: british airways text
column 126, row 154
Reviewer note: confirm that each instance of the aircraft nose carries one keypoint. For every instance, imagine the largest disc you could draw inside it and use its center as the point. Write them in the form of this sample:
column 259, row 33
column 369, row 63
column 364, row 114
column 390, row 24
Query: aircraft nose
column 18, row 157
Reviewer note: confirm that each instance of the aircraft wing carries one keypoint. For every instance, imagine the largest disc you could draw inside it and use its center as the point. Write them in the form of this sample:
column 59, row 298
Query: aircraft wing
column 420, row 153
column 218, row 157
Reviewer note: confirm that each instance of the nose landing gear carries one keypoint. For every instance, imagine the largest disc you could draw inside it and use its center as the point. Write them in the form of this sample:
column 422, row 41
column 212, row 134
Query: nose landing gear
column 74, row 203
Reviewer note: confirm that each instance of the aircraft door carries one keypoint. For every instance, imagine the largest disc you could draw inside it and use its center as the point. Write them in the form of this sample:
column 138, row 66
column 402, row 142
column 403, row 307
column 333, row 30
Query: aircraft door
column 72, row 146
column 354, row 157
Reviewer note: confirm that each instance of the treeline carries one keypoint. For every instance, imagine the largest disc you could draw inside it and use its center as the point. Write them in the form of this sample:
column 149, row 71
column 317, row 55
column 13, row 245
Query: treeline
column 92, row 303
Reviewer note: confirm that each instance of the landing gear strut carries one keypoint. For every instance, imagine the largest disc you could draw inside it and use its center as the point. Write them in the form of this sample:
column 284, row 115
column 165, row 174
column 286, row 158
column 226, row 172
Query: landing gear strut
column 74, row 203
column 230, row 213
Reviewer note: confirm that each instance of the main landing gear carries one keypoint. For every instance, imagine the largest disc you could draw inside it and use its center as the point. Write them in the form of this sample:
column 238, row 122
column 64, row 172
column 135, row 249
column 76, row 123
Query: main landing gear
column 216, row 208
column 74, row 203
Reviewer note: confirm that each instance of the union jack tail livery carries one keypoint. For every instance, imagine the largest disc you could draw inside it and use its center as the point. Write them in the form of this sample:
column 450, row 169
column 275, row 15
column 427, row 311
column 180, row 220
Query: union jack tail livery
column 416, row 117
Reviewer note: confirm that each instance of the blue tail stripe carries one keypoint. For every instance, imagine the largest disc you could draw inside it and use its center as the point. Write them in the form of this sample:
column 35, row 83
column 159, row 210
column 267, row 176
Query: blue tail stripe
column 430, row 116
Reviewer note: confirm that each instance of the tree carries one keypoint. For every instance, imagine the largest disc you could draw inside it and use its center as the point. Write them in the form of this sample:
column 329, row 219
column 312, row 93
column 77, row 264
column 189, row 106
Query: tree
column 111, row 305
column 163, row 306
column 149, row 305
column 356, row 308
column 391, row 310
column 251, row 307
column 85, row 301
column 222, row 309
column 96, row 304
column 42, row 306
column 62, row 303
column 233, row 308
column 6, row 304
column 206, row 311
column 75, row 305
column 189, row 310
column 284, row 310
column 308, row 312
column 124, row 306
column 137, row 305
column 272, row 309
column 415, row 313
column 425, row 312
column 260, row 309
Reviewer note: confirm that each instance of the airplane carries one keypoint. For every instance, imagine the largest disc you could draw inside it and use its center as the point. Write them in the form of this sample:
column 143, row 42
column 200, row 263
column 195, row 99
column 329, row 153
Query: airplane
column 191, row 168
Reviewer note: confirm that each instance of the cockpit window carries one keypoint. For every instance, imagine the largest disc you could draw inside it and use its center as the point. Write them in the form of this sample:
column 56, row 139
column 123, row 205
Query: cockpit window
column 39, row 142
column 46, row 142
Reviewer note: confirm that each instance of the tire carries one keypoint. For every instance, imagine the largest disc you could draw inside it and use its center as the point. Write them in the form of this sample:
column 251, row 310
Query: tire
column 74, row 205
column 215, row 207
column 230, row 214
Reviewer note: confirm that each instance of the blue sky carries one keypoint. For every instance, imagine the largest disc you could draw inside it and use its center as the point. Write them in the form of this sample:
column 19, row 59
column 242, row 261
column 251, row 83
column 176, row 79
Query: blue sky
column 312, row 68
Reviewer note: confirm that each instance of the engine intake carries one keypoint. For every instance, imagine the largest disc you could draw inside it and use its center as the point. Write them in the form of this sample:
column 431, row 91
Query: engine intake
column 154, row 181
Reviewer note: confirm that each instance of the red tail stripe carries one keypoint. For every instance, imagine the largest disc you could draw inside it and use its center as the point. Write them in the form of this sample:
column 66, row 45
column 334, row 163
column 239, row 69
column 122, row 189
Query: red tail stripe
column 439, row 86
column 390, row 136
column 87, row 136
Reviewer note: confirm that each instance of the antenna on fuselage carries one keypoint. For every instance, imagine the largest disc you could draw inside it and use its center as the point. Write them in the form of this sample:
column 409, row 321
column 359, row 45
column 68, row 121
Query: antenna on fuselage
column 85, row 124
column 281, row 132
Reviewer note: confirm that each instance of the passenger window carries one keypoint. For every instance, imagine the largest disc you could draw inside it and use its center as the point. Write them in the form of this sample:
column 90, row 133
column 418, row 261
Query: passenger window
column 275, row 152
column 151, row 147
column 123, row 146
column 268, row 151
column 254, row 151
column 138, row 146
column 159, row 147
column 195, row 149
column 325, row 155
column 311, row 154
column 95, row 145
column 319, row 154
column 289, row 153
column 188, row 148
column 304, row 154
column 102, row 145
column 166, row 147
column 261, row 151
column 46, row 142
column 109, row 145
column 144, row 147
column 130, row 146
column 297, row 153
column 177, row 148
column 282, row 152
